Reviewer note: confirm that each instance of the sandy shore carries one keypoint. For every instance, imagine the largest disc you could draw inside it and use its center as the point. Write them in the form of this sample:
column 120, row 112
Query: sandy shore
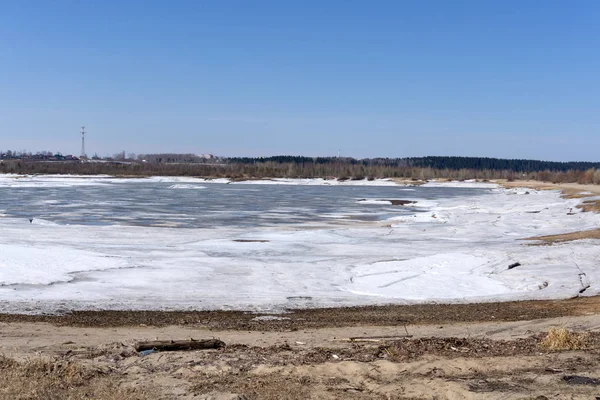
column 393, row 352
column 487, row 360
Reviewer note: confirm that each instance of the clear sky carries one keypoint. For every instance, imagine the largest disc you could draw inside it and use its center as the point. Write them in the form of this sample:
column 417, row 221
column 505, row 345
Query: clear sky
column 510, row 79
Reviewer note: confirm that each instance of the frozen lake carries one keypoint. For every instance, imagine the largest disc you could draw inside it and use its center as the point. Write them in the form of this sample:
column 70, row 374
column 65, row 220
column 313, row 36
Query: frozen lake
column 188, row 204
column 182, row 243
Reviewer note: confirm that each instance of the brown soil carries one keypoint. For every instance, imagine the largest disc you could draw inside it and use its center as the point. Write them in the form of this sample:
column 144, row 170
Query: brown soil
column 391, row 372
column 398, row 315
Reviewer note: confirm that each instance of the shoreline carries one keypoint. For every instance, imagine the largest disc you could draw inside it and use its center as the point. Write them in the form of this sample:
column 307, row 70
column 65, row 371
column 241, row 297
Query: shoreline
column 462, row 360
column 317, row 318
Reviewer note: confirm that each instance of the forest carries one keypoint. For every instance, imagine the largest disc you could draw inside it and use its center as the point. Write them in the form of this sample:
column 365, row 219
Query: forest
column 422, row 168
column 454, row 163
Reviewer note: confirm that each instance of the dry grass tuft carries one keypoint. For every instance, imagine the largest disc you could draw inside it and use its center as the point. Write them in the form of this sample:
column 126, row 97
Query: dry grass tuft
column 60, row 379
column 563, row 339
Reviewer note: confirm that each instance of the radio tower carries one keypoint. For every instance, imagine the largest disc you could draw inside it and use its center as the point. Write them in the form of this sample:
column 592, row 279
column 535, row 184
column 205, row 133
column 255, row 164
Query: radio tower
column 83, row 155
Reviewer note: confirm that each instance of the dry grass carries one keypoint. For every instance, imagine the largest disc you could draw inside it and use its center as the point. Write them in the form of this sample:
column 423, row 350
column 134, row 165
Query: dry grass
column 278, row 386
column 567, row 237
column 563, row 339
column 590, row 206
column 568, row 194
column 60, row 379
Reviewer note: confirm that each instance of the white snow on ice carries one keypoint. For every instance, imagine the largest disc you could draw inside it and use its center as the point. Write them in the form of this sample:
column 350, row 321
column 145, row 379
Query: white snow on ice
column 374, row 202
column 454, row 250
column 460, row 184
column 28, row 181
column 183, row 186
column 40, row 265
column 318, row 182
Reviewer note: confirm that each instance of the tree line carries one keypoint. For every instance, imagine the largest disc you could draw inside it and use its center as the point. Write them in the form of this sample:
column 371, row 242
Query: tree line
column 453, row 163
column 334, row 169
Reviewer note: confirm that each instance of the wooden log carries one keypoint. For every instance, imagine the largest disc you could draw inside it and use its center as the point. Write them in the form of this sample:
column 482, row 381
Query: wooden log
column 178, row 345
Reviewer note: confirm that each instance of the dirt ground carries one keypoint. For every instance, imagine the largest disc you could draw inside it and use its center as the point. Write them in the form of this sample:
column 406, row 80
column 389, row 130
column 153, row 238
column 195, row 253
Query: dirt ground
column 474, row 360
column 293, row 320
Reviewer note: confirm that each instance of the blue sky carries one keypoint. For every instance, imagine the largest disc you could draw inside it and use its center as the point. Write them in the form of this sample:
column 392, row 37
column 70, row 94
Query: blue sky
column 511, row 79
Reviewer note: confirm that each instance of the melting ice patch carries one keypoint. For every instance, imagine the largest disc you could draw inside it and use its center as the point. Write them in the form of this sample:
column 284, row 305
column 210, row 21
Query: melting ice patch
column 51, row 181
column 469, row 184
column 375, row 202
column 182, row 186
column 439, row 276
column 542, row 273
column 39, row 221
column 36, row 265
column 319, row 182
column 64, row 181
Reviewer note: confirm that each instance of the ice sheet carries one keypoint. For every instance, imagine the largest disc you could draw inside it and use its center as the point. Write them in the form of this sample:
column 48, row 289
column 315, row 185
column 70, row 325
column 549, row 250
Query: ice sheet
column 319, row 182
column 61, row 181
column 45, row 265
column 14, row 180
column 460, row 184
column 453, row 249
column 184, row 186
column 374, row 202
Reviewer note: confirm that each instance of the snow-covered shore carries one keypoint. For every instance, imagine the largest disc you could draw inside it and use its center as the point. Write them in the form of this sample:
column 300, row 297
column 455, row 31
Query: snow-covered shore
column 454, row 249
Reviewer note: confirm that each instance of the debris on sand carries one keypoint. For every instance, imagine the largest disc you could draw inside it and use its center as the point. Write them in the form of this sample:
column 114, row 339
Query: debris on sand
column 270, row 318
column 178, row 345
column 580, row 380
